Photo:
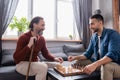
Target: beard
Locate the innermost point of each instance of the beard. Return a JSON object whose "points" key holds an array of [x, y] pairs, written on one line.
{"points": [[40, 32], [94, 30]]}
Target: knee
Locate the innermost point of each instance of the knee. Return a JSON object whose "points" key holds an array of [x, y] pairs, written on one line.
{"points": [[107, 67], [106, 71], [40, 67], [45, 67]]}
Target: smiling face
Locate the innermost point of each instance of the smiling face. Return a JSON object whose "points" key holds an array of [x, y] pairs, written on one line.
{"points": [[95, 25], [39, 27]]}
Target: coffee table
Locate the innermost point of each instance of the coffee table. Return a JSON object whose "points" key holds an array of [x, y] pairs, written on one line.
{"points": [[56, 76]]}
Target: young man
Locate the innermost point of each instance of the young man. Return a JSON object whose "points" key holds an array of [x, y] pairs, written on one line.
{"points": [[23, 50], [103, 50]]}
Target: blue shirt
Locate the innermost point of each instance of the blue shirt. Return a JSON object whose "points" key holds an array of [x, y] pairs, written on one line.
{"points": [[109, 46]]}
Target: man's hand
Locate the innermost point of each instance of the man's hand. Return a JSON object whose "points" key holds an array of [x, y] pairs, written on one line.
{"points": [[71, 58], [79, 57], [58, 59], [90, 68], [31, 42]]}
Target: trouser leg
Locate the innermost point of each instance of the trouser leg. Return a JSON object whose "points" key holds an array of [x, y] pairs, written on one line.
{"points": [[36, 68], [109, 71]]}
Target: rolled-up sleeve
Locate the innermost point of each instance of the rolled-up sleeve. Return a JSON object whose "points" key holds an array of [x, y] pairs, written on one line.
{"points": [[89, 50], [114, 46]]}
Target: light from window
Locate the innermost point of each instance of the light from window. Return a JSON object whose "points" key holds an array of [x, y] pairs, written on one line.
{"points": [[65, 19], [21, 11], [46, 9], [54, 12]]}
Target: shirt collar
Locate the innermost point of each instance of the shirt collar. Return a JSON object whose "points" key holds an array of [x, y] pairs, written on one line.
{"points": [[103, 33]]}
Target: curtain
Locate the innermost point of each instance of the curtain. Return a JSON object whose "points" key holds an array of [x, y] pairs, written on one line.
{"points": [[7, 10], [82, 11]]}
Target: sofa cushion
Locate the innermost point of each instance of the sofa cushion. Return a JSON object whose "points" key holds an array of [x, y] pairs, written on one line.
{"points": [[9, 72], [7, 57], [74, 53], [55, 49], [73, 48], [59, 54]]}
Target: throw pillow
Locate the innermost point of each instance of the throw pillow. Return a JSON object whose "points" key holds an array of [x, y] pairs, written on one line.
{"points": [[7, 57]]}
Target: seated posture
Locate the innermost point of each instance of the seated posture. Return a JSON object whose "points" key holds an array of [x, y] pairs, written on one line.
{"points": [[103, 50], [23, 51]]}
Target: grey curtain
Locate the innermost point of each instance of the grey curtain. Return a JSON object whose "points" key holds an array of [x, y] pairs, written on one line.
{"points": [[7, 10], [82, 11]]}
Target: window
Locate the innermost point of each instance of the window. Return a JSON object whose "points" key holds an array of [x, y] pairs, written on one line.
{"points": [[65, 26], [58, 16], [45, 9], [21, 11]]}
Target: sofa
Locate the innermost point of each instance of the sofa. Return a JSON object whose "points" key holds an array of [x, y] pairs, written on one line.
{"points": [[7, 65]]}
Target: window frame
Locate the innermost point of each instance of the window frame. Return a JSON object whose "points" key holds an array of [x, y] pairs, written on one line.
{"points": [[30, 16]]}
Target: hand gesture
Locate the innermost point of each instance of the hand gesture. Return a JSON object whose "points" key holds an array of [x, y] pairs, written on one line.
{"points": [[89, 68], [71, 58], [31, 42], [58, 59]]}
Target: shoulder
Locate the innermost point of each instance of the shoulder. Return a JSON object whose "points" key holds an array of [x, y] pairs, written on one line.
{"points": [[42, 39], [113, 34], [24, 36], [111, 31]]}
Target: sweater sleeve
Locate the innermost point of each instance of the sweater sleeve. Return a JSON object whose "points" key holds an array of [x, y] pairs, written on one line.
{"points": [[22, 50], [45, 51]]}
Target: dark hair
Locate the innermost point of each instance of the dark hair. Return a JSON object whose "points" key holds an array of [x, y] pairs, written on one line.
{"points": [[98, 17], [98, 11], [34, 20]]}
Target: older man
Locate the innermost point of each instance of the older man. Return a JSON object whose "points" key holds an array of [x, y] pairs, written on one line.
{"points": [[23, 50]]}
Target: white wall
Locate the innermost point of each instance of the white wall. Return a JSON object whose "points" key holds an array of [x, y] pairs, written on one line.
{"points": [[95, 5], [12, 44], [106, 8]]}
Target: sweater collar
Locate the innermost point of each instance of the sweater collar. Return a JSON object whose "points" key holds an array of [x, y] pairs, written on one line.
{"points": [[29, 33]]}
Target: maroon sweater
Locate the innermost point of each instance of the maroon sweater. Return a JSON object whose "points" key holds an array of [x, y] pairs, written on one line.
{"points": [[22, 52]]}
